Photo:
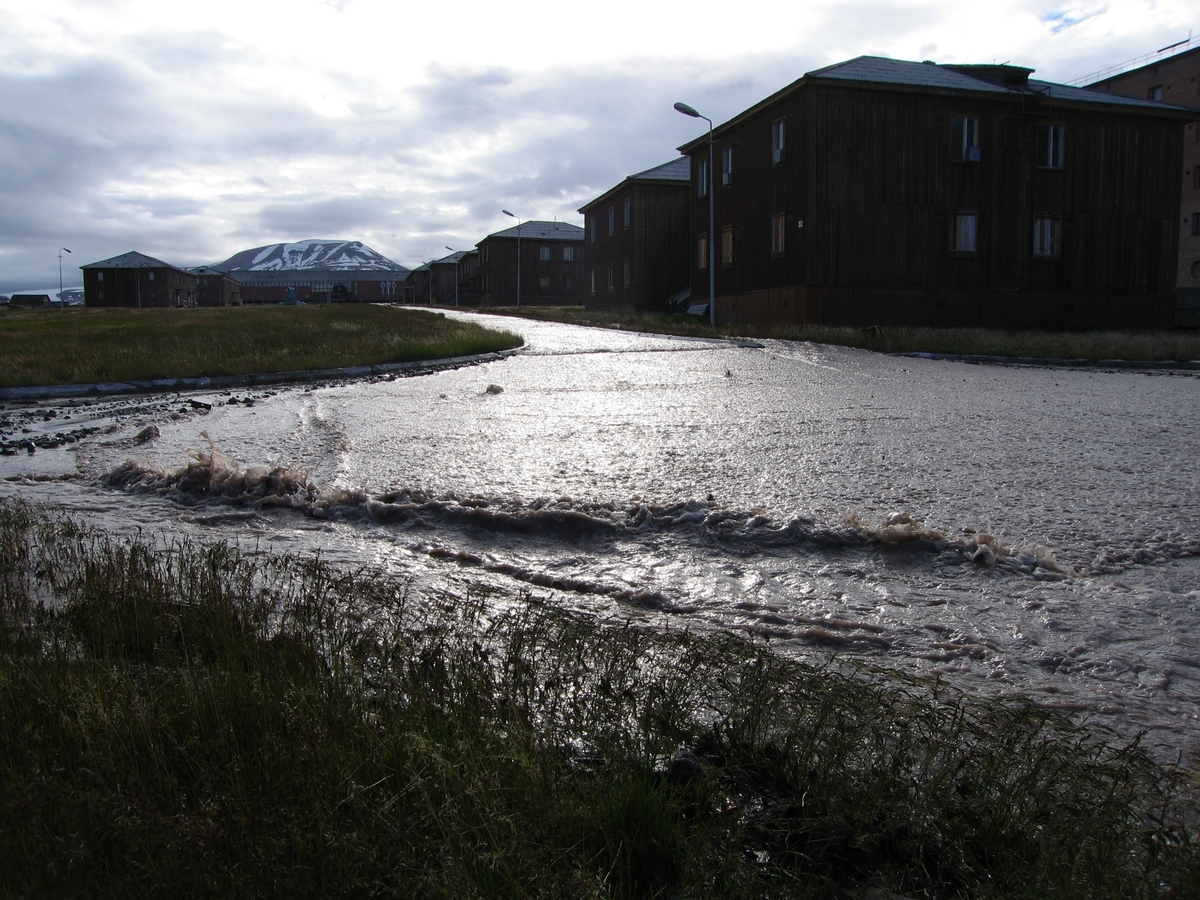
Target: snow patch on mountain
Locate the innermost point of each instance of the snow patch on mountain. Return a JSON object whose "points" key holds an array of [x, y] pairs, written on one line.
{"points": [[342, 256]]}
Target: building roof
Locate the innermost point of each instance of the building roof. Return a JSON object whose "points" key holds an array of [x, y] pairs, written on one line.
{"points": [[133, 260], [541, 231], [928, 76], [677, 171]]}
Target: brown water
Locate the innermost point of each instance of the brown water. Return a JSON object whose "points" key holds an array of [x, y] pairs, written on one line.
{"points": [[1045, 534]]}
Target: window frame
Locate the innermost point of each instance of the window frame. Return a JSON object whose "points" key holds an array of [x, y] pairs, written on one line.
{"points": [[1196, 224], [727, 166], [628, 272], [568, 254], [958, 219], [543, 253], [1047, 245], [779, 141], [612, 221], [778, 234], [628, 212], [702, 177], [726, 246], [702, 251], [1050, 153], [611, 278], [964, 139]]}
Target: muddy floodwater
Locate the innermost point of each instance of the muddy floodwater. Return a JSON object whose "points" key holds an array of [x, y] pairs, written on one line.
{"points": [[1013, 530]]}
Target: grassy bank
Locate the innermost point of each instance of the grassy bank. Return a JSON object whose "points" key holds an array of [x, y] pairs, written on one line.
{"points": [[82, 346], [1175, 345], [191, 721]]}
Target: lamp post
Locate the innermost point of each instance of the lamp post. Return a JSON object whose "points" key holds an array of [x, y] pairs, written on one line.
{"points": [[518, 218], [712, 237], [456, 261], [60, 287]]}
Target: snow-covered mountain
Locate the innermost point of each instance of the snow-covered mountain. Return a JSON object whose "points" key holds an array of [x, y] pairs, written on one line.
{"points": [[340, 256]]}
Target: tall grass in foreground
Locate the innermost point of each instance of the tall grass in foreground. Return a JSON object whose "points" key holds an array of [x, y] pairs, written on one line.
{"points": [[1176, 345], [191, 721], [84, 346]]}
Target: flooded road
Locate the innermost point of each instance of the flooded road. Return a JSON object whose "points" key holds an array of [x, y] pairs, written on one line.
{"points": [[1012, 530]]}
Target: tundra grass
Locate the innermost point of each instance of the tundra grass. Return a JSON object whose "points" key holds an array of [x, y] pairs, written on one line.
{"points": [[183, 721], [1176, 345], [84, 346]]}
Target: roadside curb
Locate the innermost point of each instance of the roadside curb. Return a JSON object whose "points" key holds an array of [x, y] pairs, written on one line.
{"points": [[166, 385], [1056, 362]]}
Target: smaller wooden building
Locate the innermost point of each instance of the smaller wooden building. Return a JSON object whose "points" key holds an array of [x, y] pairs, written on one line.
{"points": [[29, 301], [534, 263], [134, 279], [450, 281], [638, 240], [216, 288]]}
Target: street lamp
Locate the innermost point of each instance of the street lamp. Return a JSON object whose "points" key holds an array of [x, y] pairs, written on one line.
{"points": [[518, 218], [712, 237], [456, 260], [60, 287]]}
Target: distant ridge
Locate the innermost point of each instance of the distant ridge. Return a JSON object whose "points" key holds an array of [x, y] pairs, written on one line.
{"points": [[312, 255]]}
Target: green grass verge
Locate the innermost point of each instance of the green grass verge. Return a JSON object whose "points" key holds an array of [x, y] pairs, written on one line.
{"points": [[1176, 345], [191, 721], [84, 346]]}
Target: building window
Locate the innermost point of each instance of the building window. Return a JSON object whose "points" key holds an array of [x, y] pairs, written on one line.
{"points": [[1155, 93], [702, 178], [544, 253], [628, 211], [702, 252], [727, 245], [592, 230], [1196, 223], [777, 229], [962, 233], [99, 276], [727, 166], [150, 275], [611, 284], [568, 282], [778, 141], [1050, 146], [612, 221], [964, 139], [544, 282], [1047, 237], [593, 281], [628, 272], [1196, 178], [568, 254]]}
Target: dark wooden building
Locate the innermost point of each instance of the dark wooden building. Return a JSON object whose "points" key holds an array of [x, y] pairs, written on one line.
{"points": [[320, 286], [450, 281], [881, 191], [216, 288], [549, 271], [134, 279], [1173, 76], [638, 240]]}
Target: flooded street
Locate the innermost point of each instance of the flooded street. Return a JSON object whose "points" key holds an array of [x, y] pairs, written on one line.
{"points": [[1044, 534]]}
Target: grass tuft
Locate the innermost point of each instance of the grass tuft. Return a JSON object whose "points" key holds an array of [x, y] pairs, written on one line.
{"points": [[188, 720]]}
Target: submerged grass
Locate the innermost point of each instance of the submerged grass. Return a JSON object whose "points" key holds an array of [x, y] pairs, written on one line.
{"points": [[192, 721], [83, 346], [1175, 345]]}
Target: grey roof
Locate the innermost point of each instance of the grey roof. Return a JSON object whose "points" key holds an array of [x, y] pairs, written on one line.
{"points": [[879, 70], [676, 170], [132, 260], [542, 231]]}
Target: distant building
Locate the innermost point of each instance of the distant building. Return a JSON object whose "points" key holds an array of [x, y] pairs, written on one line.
{"points": [[638, 240], [315, 271], [215, 288], [549, 271], [1174, 79], [880, 191], [450, 281], [29, 301], [134, 279]]}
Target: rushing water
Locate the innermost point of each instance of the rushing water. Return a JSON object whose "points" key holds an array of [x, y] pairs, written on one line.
{"points": [[1013, 530]]}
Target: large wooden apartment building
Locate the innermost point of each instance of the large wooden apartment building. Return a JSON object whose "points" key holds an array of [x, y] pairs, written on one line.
{"points": [[533, 263], [881, 191]]}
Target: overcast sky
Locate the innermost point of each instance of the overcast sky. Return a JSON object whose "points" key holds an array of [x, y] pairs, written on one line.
{"points": [[192, 130]]}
